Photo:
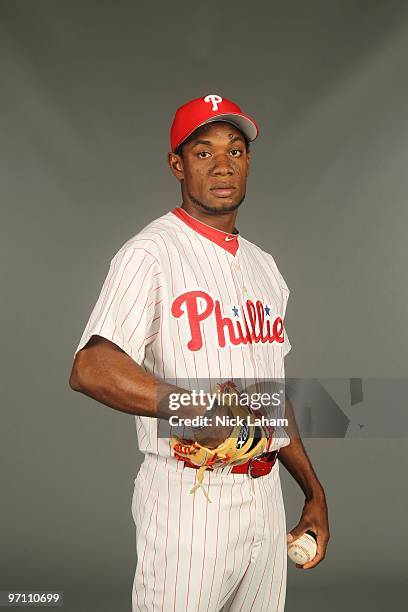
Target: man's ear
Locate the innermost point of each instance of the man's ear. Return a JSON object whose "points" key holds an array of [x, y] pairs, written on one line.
{"points": [[176, 165], [248, 164]]}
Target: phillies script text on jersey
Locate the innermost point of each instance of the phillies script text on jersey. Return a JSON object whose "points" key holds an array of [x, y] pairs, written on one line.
{"points": [[187, 304]]}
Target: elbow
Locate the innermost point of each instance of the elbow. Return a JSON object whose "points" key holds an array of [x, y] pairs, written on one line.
{"points": [[74, 379], [77, 376]]}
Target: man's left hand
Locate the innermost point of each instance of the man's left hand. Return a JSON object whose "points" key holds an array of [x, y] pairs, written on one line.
{"points": [[315, 518]]}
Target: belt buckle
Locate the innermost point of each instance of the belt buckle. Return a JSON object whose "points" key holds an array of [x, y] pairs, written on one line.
{"points": [[251, 461], [257, 458]]}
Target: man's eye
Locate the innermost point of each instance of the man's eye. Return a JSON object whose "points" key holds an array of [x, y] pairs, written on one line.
{"points": [[236, 152], [202, 154]]}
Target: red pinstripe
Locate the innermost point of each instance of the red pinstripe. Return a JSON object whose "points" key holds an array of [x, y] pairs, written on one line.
{"points": [[163, 241], [124, 293], [179, 254], [281, 582], [251, 546], [175, 363], [250, 344], [181, 346], [133, 278], [132, 307], [178, 545], [191, 546], [117, 289], [269, 494], [174, 348], [205, 542], [216, 547], [140, 239], [254, 565], [267, 295], [172, 287], [282, 572], [183, 354], [273, 570], [270, 546], [154, 361], [228, 541], [116, 264], [271, 517], [231, 590], [154, 545], [208, 287], [229, 300], [151, 335], [144, 552], [161, 342], [266, 291], [167, 534]]}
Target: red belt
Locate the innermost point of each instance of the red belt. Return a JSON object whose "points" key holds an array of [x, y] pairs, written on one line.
{"points": [[255, 467]]}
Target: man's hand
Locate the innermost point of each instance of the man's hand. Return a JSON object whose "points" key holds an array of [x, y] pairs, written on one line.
{"points": [[315, 518], [214, 435]]}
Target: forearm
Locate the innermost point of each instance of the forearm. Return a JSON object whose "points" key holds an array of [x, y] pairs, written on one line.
{"points": [[296, 461], [107, 374]]}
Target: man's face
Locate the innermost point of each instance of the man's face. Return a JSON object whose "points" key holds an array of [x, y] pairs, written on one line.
{"points": [[213, 168]]}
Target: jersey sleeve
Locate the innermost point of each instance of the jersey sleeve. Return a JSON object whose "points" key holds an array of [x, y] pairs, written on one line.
{"points": [[126, 311], [286, 344], [285, 296]]}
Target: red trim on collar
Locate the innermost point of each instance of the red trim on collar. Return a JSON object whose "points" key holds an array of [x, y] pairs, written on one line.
{"points": [[227, 241]]}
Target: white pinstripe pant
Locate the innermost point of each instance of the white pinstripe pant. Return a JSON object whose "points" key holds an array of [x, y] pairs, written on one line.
{"points": [[193, 556]]}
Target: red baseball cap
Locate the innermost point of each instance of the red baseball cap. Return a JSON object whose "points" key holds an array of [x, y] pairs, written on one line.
{"points": [[203, 110]]}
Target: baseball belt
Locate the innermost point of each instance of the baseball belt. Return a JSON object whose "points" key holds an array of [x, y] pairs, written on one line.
{"points": [[255, 467]]}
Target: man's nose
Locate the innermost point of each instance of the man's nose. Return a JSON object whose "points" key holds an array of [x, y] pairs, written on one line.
{"points": [[222, 165]]}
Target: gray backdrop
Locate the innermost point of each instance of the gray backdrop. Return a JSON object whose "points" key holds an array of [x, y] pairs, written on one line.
{"points": [[88, 94]]}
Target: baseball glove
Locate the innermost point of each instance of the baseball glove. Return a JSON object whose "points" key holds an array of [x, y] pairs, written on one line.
{"points": [[245, 441]]}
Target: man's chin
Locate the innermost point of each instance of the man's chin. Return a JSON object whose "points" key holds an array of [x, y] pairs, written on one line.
{"points": [[219, 206]]}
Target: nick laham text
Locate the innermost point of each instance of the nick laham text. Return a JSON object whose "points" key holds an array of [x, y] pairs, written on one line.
{"points": [[226, 421]]}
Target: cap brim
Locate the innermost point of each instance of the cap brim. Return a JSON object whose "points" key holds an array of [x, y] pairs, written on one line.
{"points": [[242, 122]]}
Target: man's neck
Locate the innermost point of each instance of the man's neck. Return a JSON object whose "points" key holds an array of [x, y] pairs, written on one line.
{"points": [[224, 221]]}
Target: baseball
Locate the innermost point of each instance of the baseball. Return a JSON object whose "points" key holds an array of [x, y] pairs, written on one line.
{"points": [[303, 549]]}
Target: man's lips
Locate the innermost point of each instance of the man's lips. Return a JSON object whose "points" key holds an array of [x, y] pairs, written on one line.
{"points": [[223, 191]]}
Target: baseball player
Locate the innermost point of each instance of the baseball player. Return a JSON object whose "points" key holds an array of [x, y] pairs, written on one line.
{"points": [[189, 302]]}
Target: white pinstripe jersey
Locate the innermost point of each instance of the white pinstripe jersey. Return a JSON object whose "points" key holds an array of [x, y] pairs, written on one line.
{"points": [[187, 301]]}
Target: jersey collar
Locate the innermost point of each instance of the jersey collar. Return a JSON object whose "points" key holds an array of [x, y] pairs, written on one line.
{"points": [[227, 241]]}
